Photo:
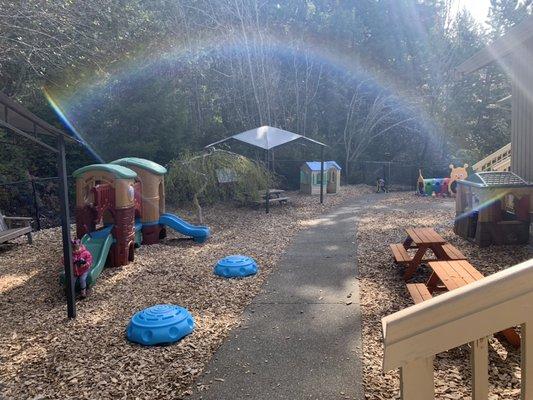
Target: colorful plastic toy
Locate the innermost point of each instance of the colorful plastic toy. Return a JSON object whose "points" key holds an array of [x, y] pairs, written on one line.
{"points": [[236, 266], [198, 233], [457, 174], [441, 186], [160, 324]]}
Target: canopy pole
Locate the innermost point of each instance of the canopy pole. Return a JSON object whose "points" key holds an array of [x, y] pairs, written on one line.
{"points": [[65, 228], [267, 193], [322, 175]]}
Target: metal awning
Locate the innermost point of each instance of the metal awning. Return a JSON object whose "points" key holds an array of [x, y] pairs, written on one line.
{"points": [[21, 122], [266, 137]]}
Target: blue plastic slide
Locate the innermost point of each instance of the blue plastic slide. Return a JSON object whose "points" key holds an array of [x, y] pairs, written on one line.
{"points": [[198, 233]]}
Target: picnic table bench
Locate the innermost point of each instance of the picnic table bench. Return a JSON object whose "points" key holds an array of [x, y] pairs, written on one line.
{"points": [[274, 195], [422, 239], [450, 275]]}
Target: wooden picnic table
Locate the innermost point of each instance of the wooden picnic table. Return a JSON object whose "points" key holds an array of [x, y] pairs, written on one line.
{"points": [[423, 239], [453, 274], [272, 193]]}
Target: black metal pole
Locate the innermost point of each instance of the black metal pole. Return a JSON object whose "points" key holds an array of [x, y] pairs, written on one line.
{"points": [[267, 193], [321, 174], [35, 205], [65, 228]]}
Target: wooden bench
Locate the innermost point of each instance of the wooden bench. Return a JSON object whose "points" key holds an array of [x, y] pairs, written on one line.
{"points": [[419, 292], [14, 227], [273, 199], [401, 256], [451, 252]]}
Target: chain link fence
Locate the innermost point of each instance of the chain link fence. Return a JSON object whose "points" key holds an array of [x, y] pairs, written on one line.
{"points": [[37, 198], [399, 176]]}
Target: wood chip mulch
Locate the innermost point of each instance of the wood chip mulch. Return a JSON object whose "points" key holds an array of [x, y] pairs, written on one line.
{"points": [[383, 292], [45, 356]]}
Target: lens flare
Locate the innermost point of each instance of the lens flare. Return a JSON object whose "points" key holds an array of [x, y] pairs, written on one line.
{"points": [[59, 112], [89, 99]]}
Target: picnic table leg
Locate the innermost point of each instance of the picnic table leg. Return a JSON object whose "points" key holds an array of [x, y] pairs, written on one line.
{"points": [[439, 252], [414, 263], [512, 337], [432, 282]]}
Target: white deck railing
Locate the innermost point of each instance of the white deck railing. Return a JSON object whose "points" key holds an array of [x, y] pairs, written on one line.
{"points": [[495, 161], [412, 337]]}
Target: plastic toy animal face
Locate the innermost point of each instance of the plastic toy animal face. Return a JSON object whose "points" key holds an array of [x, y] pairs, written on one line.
{"points": [[458, 173]]}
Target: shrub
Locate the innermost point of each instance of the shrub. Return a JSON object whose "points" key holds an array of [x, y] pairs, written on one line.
{"points": [[195, 178]]}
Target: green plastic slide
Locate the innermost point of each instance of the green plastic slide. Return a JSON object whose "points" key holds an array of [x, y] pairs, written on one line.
{"points": [[98, 243]]}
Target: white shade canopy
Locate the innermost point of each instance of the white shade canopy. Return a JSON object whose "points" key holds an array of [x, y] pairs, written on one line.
{"points": [[266, 137]]}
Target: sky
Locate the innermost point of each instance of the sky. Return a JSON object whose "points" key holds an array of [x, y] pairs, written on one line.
{"points": [[478, 8]]}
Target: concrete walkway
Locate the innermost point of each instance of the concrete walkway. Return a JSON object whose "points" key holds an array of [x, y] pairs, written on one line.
{"points": [[301, 336]]}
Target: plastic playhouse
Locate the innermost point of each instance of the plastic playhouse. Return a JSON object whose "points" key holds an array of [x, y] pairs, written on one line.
{"points": [[493, 208], [120, 206], [441, 186], [310, 177]]}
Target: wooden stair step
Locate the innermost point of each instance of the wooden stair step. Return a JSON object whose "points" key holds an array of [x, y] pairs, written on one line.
{"points": [[401, 256], [419, 292]]}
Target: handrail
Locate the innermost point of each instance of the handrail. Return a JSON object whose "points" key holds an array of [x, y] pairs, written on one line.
{"points": [[490, 161], [437, 325]]}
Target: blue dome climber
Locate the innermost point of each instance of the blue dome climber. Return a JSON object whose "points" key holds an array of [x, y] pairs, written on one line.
{"points": [[236, 266], [160, 324]]}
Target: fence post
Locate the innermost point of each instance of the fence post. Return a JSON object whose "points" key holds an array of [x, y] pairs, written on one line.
{"points": [[35, 204]]}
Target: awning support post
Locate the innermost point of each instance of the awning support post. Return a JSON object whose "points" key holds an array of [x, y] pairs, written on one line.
{"points": [[267, 193], [321, 174], [65, 228]]}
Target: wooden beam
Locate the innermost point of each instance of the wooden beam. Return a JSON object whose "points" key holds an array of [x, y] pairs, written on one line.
{"points": [[479, 361], [501, 47], [416, 380], [527, 360]]}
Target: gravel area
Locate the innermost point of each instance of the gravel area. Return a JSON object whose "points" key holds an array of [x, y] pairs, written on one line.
{"points": [[45, 356], [383, 292]]}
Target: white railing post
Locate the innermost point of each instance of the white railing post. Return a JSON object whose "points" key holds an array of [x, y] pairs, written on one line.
{"points": [[526, 346], [416, 380], [479, 360]]}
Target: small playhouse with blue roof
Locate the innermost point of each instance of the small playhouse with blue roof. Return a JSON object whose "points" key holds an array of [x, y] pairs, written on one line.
{"points": [[310, 177]]}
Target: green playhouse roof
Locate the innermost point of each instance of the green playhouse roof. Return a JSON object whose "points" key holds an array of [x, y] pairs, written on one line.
{"points": [[148, 165], [118, 171]]}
